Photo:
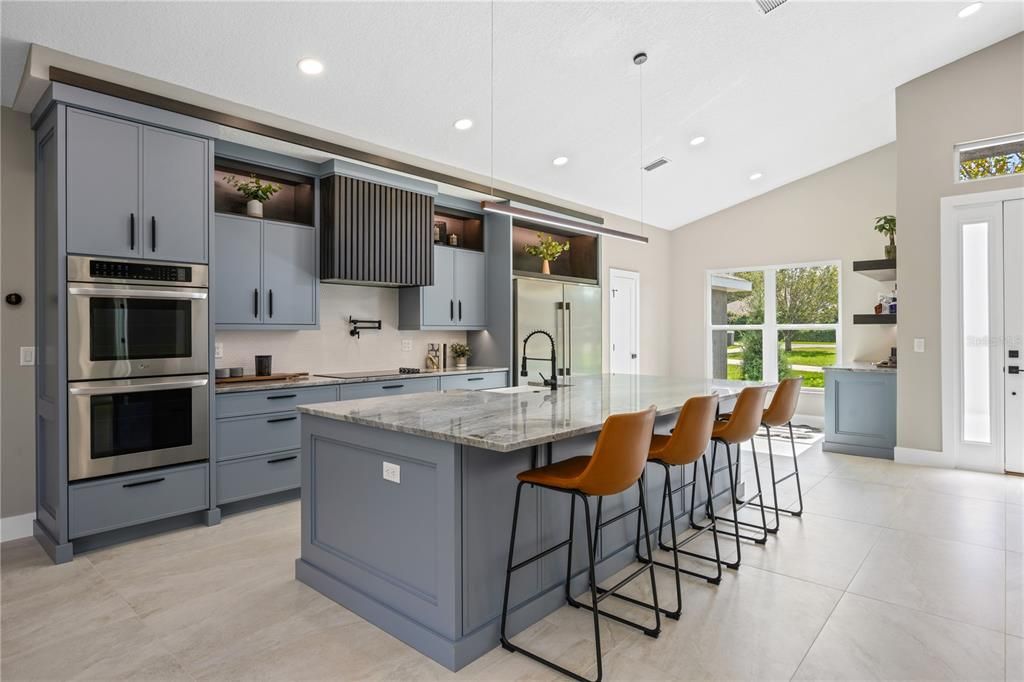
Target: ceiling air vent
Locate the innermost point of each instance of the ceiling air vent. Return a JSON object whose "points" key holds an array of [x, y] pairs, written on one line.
{"points": [[657, 163], [768, 5]]}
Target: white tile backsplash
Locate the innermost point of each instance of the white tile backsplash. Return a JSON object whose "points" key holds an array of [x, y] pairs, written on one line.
{"points": [[331, 348]]}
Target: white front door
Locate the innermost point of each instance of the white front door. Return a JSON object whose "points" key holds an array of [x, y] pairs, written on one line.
{"points": [[1013, 333], [624, 321]]}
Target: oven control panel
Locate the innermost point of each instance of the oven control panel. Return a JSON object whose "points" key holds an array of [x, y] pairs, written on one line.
{"points": [[152, 272]]}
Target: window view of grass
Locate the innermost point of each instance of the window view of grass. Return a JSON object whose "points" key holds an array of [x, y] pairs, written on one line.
{"points": [[812, 352]]}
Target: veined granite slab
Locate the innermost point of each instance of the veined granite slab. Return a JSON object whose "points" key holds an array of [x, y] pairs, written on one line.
{"points": [[505, 422], [347, 378], [861, 367]]}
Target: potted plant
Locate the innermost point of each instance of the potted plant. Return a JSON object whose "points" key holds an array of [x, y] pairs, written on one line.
{"points": [[547, 250], [886, 226], [254, 191], [461, 353]]}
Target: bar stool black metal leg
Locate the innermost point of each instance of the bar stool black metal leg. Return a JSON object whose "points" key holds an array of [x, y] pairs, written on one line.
{"points": [[508, 571], [796, 474], [735, 510], [760, 497], [775, 482], [568, 561], [709, 481], [650, 565], [591, 558]]}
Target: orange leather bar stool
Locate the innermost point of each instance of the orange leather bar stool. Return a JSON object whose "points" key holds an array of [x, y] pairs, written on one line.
{"points": [[780, 413], [686, 445], [616, 464], [740, 426]]}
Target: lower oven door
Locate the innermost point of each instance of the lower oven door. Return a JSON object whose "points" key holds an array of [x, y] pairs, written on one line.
{"points": [[131, 424]]}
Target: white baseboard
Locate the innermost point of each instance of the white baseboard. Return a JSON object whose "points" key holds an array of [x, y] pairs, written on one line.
{"points": [[15, 527], [924, 458]]}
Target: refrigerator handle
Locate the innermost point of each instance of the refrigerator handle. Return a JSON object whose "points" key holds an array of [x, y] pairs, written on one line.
{"points": [[568, 334], [560, 336]]}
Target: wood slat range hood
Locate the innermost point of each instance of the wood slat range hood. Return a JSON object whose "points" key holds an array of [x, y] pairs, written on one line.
{"points": [[376, 229]]}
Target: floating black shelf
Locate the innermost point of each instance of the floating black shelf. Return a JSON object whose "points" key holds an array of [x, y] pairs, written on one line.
{"points": [[871, 318], [883, 270]]}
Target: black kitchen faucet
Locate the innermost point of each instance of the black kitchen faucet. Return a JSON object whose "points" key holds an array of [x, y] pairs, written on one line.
{"points": [[553, 381]]}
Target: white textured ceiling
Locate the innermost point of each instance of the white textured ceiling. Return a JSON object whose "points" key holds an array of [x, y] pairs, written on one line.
{"points": [[786, 94]]}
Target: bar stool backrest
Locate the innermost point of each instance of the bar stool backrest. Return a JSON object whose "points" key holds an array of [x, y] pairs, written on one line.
{"points": [[746, 417], [620, 453], [692, 433], [783, 406]]}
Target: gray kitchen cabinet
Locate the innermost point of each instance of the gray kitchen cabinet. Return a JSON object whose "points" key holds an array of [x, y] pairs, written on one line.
{"points": [[860, 412], [289, 273], [104, 185], [376, 389], [136, 191], [265, 274], [175, 196], [456, 300]]}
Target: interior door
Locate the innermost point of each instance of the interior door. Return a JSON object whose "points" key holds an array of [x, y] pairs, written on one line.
{"points": [[582, 330], [537, 307], [1013, 333], [622, 325]]}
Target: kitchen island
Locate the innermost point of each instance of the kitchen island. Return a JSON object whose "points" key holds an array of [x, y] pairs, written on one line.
{"points": [[407, 503]]}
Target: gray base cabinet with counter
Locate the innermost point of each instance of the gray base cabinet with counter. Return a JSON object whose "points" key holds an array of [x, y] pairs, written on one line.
{"points": [[860, 412]]}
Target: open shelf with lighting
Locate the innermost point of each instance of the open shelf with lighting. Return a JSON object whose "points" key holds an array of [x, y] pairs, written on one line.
{"points": [[467, 227], [294, 203], [581, 263]]}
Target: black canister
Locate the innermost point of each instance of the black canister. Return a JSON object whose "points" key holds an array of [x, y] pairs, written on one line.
{"points": [[263, 364]]}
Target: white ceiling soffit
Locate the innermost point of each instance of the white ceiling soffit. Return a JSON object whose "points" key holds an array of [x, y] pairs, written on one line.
{"points": [[786, 94]]}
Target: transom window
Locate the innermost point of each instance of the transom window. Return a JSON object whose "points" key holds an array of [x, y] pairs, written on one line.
{"points": [[990, 158], [774, 322]]}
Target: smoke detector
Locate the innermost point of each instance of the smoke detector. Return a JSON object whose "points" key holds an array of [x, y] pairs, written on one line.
{"points": [[657, 163], [767, 6]]}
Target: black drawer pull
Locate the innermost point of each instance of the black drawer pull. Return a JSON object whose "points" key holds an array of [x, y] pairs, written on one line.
{"points": [[282, 459], [280, 397], [475, 379], [282, 419], [138, 483], [393, 386]]}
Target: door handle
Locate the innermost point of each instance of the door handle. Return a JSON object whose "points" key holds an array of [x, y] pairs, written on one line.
{"points": [[131, 232], [152, 245], [282, 419], [282, 459], [451, 309], [632, 356], [256, 303], [460, 310], [568, 335], [136, 484], [1013, 369], [270, 302]]}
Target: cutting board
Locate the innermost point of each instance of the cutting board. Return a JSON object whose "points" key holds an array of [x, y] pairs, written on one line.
{"points": [[270, 377]]}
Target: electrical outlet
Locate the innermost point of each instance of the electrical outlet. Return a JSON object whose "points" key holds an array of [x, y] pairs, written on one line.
{"points": [[919, 345], [406, 345], [392, 472], [28, 356], [218, 351]]}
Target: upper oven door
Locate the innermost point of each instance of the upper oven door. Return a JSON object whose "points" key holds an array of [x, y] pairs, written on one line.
{"points": [[117, 330]]}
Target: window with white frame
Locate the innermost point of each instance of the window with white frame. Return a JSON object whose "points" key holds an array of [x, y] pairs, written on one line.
{"points": [[770, 323], [990, 158]]}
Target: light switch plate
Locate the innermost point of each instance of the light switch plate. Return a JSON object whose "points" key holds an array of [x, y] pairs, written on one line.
{"points": [[218, 351], [406, 345], [392, 472], [918, 345], [27, 356]]}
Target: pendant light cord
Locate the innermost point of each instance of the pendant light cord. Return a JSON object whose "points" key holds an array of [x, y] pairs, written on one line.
{"points": [[492, 98], [641, 149]]}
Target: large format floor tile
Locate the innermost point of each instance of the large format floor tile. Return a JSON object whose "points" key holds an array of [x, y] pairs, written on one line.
{"points": [[1014, 658], [965, 519], [852, 500], [871, 470], [1015, 594], [866, 639], [962, 483], [951, 579], [1014, 528]]}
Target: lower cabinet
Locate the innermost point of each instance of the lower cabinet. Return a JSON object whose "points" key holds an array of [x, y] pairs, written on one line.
{"points": [[860, 412], [262, 475]]}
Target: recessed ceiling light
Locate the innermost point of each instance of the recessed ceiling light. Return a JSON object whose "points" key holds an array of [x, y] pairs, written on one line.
{"points": [[697, 140], [969, 10], [310, 66], [463, 124], [755, 176], [560, 160]]}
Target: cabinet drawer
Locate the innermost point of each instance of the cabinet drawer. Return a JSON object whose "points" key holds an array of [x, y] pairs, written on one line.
{"points": [[243, 478], [474, 382], [257, 435], [97, 506], [375, 389], [264, 402]]}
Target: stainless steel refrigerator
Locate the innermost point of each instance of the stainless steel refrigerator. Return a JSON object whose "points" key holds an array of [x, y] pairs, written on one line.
{"points": [[571, 314]]}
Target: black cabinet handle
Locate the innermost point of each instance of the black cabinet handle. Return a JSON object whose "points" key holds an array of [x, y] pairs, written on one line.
{"points": [[136, 484], [451, 309], [280, 397], [282, 459], [282, 419], [131, 232], [393, 386], [460, 309], [152, 231], [270, 302], [256, 303], [475, 379]]}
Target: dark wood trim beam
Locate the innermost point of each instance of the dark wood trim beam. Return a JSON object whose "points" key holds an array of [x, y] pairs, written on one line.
{"points": [[59, 75]]}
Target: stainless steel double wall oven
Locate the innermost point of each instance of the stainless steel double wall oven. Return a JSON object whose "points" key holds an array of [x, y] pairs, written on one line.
{"points": [[138, 365]]}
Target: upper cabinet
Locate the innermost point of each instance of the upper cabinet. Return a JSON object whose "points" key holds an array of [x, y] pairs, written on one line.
{"points": [[374, 233], [136, 191], [456, 300]]}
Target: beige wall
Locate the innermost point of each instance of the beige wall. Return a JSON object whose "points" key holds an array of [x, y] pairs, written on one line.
{"points": [[979, 96], [827, 216], [17, 384], [331, 348]]}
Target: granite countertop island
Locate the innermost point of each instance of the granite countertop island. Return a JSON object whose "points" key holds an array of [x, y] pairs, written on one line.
{"points": [[357, 377], [407, 503]]}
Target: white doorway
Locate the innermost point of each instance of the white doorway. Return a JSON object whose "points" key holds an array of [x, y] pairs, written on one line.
{"points": [[983, 330], [624, 321]]}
